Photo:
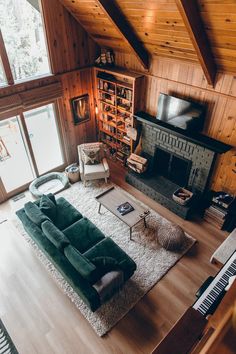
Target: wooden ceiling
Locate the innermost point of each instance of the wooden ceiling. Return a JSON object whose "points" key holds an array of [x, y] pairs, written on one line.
{"points": [[160, 28]]}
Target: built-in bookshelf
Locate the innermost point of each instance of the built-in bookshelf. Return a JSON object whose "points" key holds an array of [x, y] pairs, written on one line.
{"points": [[118, 97]]}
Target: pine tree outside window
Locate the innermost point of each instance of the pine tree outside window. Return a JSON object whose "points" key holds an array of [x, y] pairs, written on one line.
{"points": [[23, 35]]}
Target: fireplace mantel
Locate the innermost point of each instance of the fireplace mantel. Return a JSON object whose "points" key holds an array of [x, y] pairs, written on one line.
{"points": [[200, 139]]}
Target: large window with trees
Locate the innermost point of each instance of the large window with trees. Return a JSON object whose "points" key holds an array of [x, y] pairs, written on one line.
{"points": [[23, 39]]}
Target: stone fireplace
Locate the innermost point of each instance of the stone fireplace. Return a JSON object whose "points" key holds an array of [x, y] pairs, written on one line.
{"points": [[175, 160]]}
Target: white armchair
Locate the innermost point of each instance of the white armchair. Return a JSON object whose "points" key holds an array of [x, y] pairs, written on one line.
{"points": [[93, 170]]}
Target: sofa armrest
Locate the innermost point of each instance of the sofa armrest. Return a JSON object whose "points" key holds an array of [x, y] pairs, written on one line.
{"points": [[83, 266], [105, 164]]}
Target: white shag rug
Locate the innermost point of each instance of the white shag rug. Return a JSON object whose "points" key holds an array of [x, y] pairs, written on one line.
{"points": [[153, 262]]}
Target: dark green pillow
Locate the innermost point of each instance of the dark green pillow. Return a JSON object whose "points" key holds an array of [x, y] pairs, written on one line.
{"points": [[58, 239], [81, 264], [48, 207], [35, 214], [52, 198]]}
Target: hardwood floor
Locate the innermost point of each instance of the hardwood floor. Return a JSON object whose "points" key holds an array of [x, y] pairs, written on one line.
{"points": [[41, 319]]}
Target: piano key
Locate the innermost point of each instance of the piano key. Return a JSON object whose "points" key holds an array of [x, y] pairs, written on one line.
{"points": [[216, 289]]}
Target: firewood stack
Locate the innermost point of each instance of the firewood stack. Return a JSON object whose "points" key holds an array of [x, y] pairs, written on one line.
{"points": [[137, 163]]}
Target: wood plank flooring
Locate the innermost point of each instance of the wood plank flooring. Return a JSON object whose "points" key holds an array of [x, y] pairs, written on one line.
{"points": [[41, 319]]}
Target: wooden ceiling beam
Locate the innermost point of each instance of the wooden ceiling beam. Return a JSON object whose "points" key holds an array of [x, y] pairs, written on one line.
{"points": [[124, 28], [195, 27]]}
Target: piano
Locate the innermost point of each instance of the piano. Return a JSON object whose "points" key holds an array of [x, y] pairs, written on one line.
{"points": [[208, 301], [202, 320]]}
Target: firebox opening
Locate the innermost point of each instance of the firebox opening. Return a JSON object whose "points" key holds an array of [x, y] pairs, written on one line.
{"points": [[171, 166]]}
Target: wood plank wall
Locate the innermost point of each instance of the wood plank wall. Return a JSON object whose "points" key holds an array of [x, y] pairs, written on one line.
{"points": [[69, 45], [76, 84], [187, 80]]}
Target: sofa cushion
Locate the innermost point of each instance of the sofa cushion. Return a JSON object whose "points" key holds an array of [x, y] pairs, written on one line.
{"points": [[83, 234], [48, 207], [66, 214], [85, 268], [54, 235], [35, 214]]}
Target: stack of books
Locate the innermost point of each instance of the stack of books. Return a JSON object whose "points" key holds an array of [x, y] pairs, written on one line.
{"points": [[221, 212], [137, 163], [215, 216]]}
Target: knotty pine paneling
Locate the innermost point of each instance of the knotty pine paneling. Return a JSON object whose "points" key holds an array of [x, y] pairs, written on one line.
{"points": [[69, 45], [187, 81], [76, 84]]}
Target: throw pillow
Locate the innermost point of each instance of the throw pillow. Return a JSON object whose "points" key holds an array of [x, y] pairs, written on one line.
{"points": [[48, 207], [91, 156], [82, 264], [53, 234], [34, 213]]}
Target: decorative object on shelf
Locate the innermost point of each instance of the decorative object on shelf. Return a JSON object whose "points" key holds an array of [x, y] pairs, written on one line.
{"points": [[171, 236], [131, 132], [106, 58], [80, 109], [182, 196]]}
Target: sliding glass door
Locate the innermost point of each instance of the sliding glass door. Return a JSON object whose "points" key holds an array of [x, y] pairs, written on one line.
{"points": [[30, 146], [16, 168], [43, 133]]}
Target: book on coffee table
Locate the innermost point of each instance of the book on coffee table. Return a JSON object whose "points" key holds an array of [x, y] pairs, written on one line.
{"points": [[125, 208]]}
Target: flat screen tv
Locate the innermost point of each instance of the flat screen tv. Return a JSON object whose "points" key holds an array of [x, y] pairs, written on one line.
{"points": [[180, 113]]}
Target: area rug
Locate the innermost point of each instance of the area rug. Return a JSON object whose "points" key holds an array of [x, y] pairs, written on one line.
{"points": [[153, 262]]}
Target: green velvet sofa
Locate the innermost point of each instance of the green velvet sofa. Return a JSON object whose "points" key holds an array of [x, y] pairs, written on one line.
{"points": [[94, 265]]}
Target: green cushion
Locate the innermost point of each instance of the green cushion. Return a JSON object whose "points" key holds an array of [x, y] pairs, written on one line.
{"points": [[83, 234], [86, 269], [66, 214], [47, 206], [34, 213], [54, 235]]}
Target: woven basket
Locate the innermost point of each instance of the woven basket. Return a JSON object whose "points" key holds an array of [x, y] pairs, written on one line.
{"points": [[178, 199]]}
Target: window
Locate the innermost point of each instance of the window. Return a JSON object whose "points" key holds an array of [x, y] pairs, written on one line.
{"points": [[23, 36]]}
